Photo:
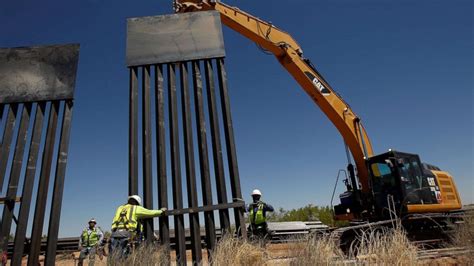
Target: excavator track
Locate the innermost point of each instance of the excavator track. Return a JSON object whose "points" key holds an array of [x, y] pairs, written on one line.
{"points": [[427, 231]]}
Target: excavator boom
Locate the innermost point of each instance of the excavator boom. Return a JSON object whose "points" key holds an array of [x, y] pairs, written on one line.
{"points": [[290, 55], [391, 182]]}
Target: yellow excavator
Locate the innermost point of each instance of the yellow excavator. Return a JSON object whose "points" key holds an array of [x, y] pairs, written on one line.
{"points": [[379, 187]]}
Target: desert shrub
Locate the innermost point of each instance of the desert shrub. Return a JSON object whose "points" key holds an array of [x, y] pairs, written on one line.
{"points": [[316, 250], [307, 213], [233, 251], [463, 235], [384, 247], [146, 255]]}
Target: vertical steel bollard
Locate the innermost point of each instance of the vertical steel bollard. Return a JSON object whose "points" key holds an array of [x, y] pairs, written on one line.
{"points": [[161, 152], [146, 151], [230, 144], [216, 147], [133, 133], [179, 233], [195, 229], [203, 157]]}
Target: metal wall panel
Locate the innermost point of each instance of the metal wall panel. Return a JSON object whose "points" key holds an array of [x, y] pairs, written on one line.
{"points": [[174, 38], [181, 45], [43, 73], [35, 82]]}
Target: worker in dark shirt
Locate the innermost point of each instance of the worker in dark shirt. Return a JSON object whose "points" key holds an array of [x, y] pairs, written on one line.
{"points": [[258, 227]]}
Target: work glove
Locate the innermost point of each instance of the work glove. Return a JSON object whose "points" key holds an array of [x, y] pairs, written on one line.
{"points": [[164, 210]]}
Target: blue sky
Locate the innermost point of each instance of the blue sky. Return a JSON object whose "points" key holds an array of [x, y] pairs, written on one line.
{"points": [[405, 67]]}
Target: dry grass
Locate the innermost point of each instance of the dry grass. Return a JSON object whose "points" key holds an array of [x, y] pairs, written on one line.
{"points": [[373, 247], [316, 250], [233, 251], [384, 247], [147, 255], [464, 235]]}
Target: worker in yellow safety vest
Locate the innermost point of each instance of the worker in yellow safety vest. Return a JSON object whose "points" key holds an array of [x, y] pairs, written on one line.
{"points": [[257, 210], [90, 239], [126, 226]]}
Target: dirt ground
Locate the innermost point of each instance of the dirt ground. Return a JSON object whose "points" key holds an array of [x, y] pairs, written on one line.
{"points": [[276, 251], [277, 254]]}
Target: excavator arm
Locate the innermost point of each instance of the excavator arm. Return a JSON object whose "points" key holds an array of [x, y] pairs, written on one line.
{"points": [[290, 55]]}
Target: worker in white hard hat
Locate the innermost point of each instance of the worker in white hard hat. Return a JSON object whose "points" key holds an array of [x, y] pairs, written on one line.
{"points": [[257, 216], [126, 225], [89, 241]]}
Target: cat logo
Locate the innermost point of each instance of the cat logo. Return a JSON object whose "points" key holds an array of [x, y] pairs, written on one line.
{"points": [[324, 91]]}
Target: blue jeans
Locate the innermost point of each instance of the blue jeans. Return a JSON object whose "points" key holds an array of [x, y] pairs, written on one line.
{"points": [[119, 248]]}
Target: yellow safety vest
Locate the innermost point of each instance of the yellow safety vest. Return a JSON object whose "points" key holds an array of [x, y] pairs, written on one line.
{"points": [[257, 218], [90, 239], [125, 218]]}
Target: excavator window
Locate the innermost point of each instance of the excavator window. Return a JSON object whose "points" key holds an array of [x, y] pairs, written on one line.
{"points": [[411, 178], [384, 180], [384, 183]]}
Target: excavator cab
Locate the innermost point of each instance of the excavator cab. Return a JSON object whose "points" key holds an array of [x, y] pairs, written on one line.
{"points": [[400, 184], [399, 179]]}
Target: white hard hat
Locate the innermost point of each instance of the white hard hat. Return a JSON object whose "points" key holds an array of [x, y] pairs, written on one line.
{"points": [[92, 220], [256, 192], [136, 198]]}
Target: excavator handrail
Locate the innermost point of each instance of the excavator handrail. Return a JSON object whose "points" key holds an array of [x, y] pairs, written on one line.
{"points": [[290, 55]]}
